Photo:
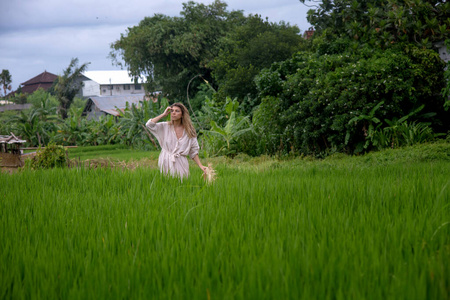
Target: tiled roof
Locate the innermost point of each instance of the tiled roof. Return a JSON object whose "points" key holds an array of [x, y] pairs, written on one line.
{"points": [[29, 89], [45, 77]]}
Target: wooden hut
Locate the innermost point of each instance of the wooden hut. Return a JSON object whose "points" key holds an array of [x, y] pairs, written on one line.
{"points": [[10, 153]]}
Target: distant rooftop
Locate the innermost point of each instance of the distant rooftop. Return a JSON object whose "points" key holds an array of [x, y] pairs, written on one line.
{"points": [[110, 104], [44, 77], [111, 77], [44, 81]]}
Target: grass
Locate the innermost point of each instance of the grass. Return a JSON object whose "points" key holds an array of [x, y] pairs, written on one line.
{"points": [[370, 227], [115, 152]]}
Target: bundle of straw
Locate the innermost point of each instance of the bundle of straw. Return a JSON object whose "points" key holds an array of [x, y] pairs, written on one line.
{"points": [[210, 174]]}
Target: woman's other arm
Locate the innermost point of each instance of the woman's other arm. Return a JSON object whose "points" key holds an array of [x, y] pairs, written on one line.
{"points": [[199, 163]]}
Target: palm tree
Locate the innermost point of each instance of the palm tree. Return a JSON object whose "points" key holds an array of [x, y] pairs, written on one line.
{"points": [[5, 80], [68, 85]]}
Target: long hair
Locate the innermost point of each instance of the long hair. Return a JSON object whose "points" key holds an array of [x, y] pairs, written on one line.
{"points": [[185, 120]]}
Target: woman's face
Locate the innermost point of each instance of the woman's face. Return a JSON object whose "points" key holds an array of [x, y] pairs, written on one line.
{"points": [[175, 113]]}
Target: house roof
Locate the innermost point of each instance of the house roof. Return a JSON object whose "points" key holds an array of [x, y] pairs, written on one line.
{"points": [[111, 77], [109, 104], [10, 139], [44, 80], [29, 89], [44, 77]]}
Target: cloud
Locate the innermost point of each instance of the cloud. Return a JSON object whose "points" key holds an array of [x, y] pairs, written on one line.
{"points": [[38, 35], [23, 14]]}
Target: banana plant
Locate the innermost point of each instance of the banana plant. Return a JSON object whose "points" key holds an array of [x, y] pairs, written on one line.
{"points": [[233, 129], [133, 119], [368, 125], [36, 124]]}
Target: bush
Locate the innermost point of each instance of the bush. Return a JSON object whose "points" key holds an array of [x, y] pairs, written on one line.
{"points": [[41, 98], [404, 134], [308, 101], [49, 157]]}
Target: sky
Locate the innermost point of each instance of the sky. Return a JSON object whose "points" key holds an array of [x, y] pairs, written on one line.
{"points": [[44, 35]]}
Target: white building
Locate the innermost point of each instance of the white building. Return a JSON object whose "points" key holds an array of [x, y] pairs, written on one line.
{"points": [[110, 83]]}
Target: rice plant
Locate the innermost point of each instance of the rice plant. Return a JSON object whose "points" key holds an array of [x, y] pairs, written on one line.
{"points": [[283, 230]]}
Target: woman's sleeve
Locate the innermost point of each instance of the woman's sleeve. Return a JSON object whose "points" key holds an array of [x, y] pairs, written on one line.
{"points": [[194, 148], [157, 129]]}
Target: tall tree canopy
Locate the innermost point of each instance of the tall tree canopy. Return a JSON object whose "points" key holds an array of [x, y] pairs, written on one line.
{"points": [[372, 66], [248, 49], [383, 22], [172, 50]]}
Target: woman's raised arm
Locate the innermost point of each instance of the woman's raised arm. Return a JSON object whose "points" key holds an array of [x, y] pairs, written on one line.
{"points": [[163, 115]]}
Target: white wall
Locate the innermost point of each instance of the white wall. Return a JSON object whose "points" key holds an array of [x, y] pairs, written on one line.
{"points": [[90, 88], [118, 89]]}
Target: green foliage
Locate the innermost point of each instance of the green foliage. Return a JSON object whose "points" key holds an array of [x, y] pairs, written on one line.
{"points": [[133, 119], [204, 91], [6, 125], [41, 98], [402, 134], [77, 130], [19, 97], [5, 81], [40, 125], [49, 157], [233, 129], [73, 130], [368, 227], [308, 101], [369, 120], [225, 131], [172, 50], [213, 110], [36, 125], [114, 152], [68, 85], [385, 23], [254, 45], [78, 103]]}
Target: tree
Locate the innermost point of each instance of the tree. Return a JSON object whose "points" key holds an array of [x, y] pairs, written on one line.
{"points": [[309, 100], [248, 49], [172, 50], [68, 85], [5, 81], [383, 23]]}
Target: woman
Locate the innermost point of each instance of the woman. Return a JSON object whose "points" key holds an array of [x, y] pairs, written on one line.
{"points": [[177, 139]]}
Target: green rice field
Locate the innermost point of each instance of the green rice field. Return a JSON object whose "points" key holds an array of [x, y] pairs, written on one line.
{"points": [[371, 227]]}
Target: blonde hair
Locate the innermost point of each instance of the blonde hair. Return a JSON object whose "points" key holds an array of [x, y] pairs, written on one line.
{"points": [[185, 120]]}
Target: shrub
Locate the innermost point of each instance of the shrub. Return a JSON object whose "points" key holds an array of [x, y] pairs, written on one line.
{"points": [[49, 157], [404, 134], [308, 101]]}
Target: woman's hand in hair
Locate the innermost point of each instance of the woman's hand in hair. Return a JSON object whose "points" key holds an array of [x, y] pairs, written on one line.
{"points": [[167, 111]]}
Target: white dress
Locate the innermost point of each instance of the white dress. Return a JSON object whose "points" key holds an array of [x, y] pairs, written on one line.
{"points": [[174, 151]]}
